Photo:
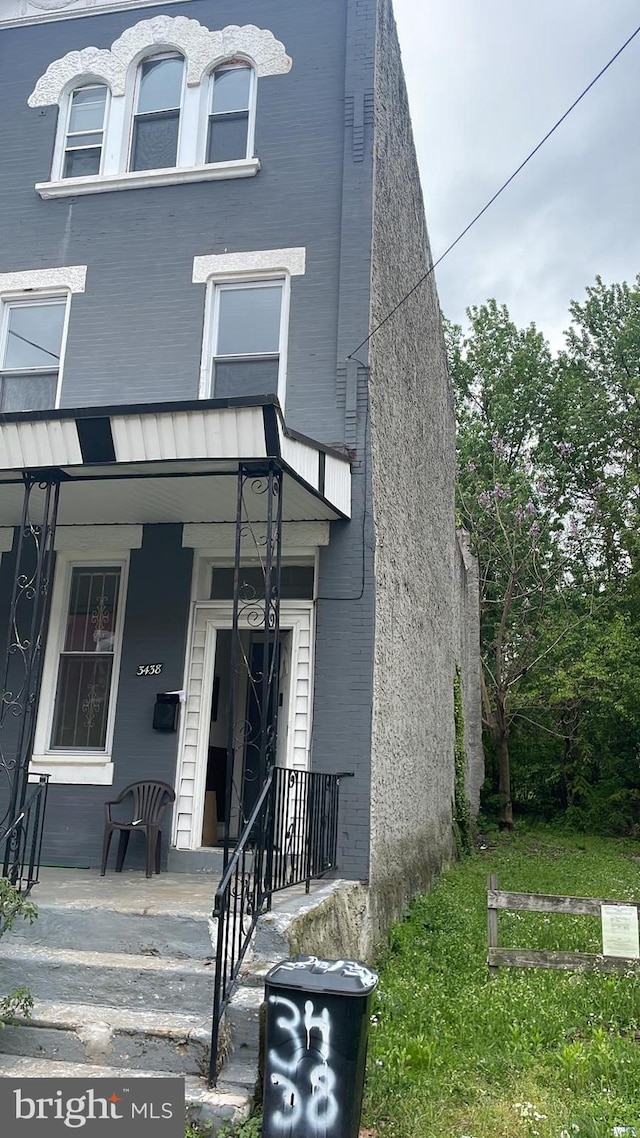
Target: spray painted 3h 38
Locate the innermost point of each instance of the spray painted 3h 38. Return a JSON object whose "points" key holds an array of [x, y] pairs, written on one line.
{"points": [[316, 1047]]}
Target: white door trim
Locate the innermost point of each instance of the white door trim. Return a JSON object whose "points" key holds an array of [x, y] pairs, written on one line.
{"points": [[207, 618]]}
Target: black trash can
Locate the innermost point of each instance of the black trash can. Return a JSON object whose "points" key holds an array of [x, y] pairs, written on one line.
{"points": [[317, 1030]]}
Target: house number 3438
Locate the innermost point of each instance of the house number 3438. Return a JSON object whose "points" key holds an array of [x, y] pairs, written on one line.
{"points": [[149, 669]]}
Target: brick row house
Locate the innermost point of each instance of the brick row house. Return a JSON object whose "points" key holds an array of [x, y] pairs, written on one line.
{"points": [[207, 206]]}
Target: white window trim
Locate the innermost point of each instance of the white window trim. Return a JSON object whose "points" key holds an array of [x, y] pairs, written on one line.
{"points": [[71, 278], [211, 324], [143, 179], [247, 268], [88, 767], [204, 51], [26, 298], [146, 58], [62, 133], [205, 113]]}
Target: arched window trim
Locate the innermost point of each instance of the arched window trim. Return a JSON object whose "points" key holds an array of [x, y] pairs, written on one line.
{"points": [[204, 53]]}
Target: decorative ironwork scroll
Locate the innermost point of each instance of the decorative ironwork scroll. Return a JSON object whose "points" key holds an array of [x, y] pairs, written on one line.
{"points": [[22, 671]]}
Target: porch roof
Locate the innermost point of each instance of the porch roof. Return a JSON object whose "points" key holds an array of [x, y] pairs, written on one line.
{"points": [[168, 462]]}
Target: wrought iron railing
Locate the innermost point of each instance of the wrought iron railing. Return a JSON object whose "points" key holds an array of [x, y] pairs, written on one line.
{"points": [[289, 839], [21, 842]]}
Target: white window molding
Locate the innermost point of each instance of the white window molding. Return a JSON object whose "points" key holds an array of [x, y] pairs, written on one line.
{"points": [[73, 141], [212, 324], [202, 48], [208, 115], [220, 537], [88, 767], [142, 179], [257, 267], [253, 263], [96, 539], [10, 304], [204, 53], [72, 278]]}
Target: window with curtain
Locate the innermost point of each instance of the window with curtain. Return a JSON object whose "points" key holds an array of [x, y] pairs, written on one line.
{"points": [[156, 122]]}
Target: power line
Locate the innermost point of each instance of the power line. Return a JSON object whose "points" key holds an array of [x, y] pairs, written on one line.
{"points": [[503, 187]]}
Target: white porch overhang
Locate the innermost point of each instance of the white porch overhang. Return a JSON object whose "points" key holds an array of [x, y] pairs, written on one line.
{"points": [[159, 463]]}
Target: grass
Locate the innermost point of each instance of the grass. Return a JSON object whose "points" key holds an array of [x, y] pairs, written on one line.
{"points": [[533, 1053]]}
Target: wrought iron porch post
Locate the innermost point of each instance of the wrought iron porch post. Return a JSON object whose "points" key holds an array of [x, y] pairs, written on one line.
{"points": [[23, 655], [259, 611]]}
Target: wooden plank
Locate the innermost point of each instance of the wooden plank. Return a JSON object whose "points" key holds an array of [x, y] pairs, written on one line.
{"points": [[547, 903], [492, 922], [574, 961]]}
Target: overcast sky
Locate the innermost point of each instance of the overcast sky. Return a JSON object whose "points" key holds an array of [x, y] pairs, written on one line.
{"points": [[487, 79]]}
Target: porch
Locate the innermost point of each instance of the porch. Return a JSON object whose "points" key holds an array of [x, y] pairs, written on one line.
{"points": [[148, 551], [137, 996]]}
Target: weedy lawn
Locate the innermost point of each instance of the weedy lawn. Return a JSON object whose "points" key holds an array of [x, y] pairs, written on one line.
{"points": [[532, 1053]]}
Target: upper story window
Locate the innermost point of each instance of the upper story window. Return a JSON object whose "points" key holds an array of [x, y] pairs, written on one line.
{"points": [[156, 123], [180, 115], [249, 331], [84, 136], [230, 127], [31, 352]]}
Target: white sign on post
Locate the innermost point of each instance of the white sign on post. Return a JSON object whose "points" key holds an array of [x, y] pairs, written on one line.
{"points": [[620, 930]]}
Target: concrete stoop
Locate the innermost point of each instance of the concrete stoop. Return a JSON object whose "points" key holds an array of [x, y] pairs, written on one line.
{"points": [[123, 986], [121, 972]]}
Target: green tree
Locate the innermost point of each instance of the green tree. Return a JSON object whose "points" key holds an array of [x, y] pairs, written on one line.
{"points": [[503, 382]]}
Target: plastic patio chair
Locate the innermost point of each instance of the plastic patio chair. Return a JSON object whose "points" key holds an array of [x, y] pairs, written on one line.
{"points": [[150, 800]]}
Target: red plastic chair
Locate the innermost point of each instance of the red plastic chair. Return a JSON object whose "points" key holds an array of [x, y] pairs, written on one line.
{"points": [[150, 800]]}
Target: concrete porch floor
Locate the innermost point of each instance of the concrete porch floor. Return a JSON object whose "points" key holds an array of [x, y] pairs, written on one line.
{"points": [[186, 894]]}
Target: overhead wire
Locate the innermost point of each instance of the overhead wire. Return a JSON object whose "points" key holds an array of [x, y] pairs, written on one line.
{"points": [[497, 194]]}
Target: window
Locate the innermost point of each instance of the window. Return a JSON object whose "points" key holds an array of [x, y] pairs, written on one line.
{"points": [[248, 333], [30, 353], [170, 101], [85, 132], [86, 664], [156, 121], [228, 134], [296, 583]]}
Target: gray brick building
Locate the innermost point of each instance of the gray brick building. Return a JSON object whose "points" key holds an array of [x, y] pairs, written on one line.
{"points": [[206, 206]]}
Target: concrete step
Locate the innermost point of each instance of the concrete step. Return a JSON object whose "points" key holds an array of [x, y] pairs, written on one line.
{"points": [[207, 859], [242, 1019], [108, 978], [148, 931], [114, 1037], [229, 1103]]}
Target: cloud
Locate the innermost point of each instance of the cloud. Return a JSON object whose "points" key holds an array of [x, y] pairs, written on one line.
{"points": [[486, 81]]}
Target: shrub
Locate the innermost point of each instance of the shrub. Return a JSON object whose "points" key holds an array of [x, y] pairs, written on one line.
{"points": [[14, 907]]}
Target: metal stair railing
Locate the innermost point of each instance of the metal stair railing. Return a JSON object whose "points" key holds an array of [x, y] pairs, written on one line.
{"points": [[289, 839], [21, 841]]}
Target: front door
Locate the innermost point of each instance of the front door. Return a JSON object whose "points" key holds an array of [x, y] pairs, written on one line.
{"points": [[201, 785]]}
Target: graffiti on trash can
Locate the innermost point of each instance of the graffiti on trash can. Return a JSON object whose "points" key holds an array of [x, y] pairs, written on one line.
{"points": [[302, 1079], [346, 967]]}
